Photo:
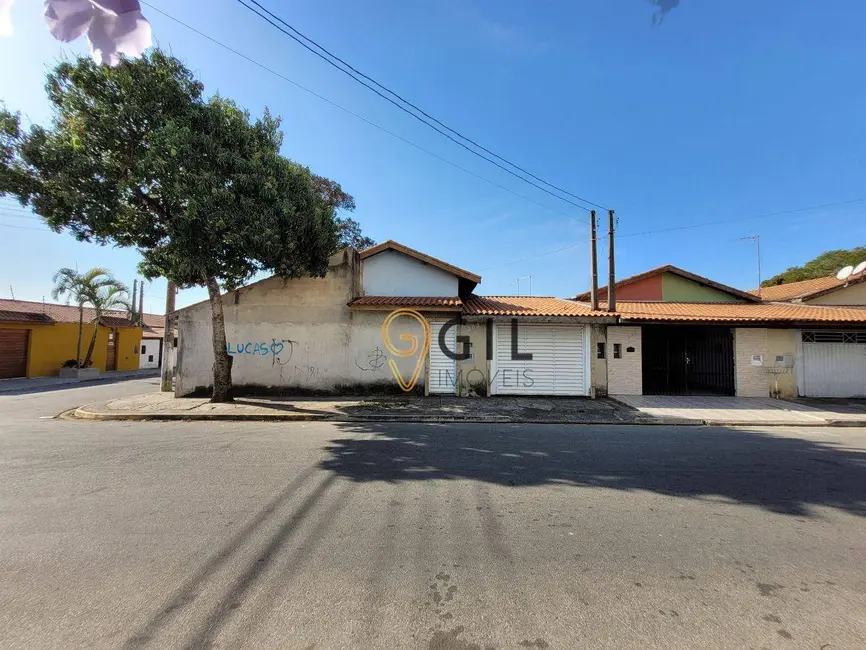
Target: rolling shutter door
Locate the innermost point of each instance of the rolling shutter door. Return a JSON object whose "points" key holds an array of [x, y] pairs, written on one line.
{"points": [[443, 370], [834, 364], [13, 353], [558, 364]]}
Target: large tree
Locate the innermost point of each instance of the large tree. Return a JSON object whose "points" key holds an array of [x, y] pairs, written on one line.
{"points": [[138, 157], [825, 264]]}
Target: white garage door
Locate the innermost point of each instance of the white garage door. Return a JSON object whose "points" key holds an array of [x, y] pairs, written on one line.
{"points": [[834, 364], [558, 366], [443, 369]]}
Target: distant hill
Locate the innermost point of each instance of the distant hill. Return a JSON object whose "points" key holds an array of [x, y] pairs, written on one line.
{"points": [[825, 264]]}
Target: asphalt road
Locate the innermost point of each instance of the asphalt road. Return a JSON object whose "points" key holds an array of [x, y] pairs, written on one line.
{"points": [[329, 535]]}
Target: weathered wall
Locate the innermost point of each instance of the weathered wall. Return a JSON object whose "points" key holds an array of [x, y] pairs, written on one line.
{"points": [[625, 375], [150, 348], [390, 273], [598, 367], [750, 381], [679, 289], [296, 335], [854, 294], [781, 342], [52, 345]]}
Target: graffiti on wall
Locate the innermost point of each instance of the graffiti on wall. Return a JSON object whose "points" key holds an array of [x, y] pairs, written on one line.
{"points": [[280, 351], [375, 361]]}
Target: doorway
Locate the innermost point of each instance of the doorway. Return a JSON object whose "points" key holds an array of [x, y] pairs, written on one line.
{"points": [[688, 360]]}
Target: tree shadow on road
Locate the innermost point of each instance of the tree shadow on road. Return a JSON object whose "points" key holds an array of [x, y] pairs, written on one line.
{"points": [[781, 474]]}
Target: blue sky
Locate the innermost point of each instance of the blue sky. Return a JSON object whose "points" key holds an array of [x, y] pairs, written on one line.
{"points": [[724, 111]]}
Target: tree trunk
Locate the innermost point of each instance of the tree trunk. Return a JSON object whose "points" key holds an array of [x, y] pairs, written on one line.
{"points": [[80, 332], [92, 342], [222, 361]]}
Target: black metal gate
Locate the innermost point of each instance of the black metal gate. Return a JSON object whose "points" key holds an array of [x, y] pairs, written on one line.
{"points": [[687, 360]]}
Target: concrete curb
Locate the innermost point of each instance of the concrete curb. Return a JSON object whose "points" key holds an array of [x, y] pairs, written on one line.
{"points": [[83, 413]]}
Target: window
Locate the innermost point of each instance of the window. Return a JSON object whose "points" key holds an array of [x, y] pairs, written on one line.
{"points": [[834, 337], [599, 352], [144, 349], [617, 350], [150, 358]]}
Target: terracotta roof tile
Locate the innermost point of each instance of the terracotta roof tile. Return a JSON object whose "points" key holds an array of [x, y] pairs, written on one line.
{"points": [[793, 290], [384, 302], [61, 313], [739, 312], [527, 306], [7, 316]]}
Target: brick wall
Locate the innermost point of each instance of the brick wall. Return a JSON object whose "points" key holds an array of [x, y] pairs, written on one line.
{"points": [[750, 381], [624, 375]]}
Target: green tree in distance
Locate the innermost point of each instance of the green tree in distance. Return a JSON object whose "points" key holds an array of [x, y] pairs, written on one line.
{"points": [[825, 264], [138, 157]]}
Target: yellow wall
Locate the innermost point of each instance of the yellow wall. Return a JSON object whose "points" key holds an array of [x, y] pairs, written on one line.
{"points": [[52, 345], [781, 342], [854, 294]]}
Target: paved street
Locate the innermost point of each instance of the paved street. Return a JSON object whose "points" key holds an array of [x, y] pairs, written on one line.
{"points": [[440, 536]]}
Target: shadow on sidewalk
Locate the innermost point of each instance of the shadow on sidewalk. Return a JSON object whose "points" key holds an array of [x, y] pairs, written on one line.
{"points": [[781, 474]]}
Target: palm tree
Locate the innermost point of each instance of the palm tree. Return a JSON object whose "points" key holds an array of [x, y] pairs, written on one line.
{"points": [[81, 288], [105, 294]]}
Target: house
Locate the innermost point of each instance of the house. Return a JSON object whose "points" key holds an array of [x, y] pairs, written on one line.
{"points": [[36, 338], [152, 334], [690, 335], [818, 291], [673, 332]]}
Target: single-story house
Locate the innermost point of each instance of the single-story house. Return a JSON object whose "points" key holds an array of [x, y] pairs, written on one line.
{"points": [[152, 336], [829, 290], [36, 339], [672, 332]]}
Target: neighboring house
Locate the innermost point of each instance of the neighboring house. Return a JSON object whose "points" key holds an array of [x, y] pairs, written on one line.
{"points": [[695, 340], [818, 291], [37, 338], [153, 329], [673, 332]]}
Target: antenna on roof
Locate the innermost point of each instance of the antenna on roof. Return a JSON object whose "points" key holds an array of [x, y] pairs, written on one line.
{"points": [[844, 273], [517, 282], [12, 291], [859, 268]]}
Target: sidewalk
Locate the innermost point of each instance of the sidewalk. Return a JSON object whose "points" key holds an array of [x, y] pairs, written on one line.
{"points": [[164, 406], [739, 411], [33, 384]]}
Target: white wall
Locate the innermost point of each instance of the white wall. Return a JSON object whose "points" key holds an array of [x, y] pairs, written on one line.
{"points": [[624, 375], [150, 348], [854, 294], [390, 273]]}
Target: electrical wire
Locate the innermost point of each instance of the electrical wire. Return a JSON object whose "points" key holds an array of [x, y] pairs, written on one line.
{"points": [[413, 106], [408, 112], [357, 116]]}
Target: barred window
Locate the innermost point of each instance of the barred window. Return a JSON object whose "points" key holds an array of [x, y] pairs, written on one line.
{"points": [[819, 336]]}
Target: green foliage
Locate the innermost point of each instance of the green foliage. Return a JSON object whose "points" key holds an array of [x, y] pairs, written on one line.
{"points": [[96, 287], [825, 264], [136, 156], [350, 235]]}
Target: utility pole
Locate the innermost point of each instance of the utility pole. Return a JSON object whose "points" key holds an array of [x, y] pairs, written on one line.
{"points": [[593, 262], [141, 303], [757, 240], [611, 270], [134, 299], [166, 386]]}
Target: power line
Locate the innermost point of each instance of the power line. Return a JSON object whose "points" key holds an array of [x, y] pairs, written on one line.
{"points": [[410, 104], [357, 116], [408, 112], [603, 239], [9, 225]]}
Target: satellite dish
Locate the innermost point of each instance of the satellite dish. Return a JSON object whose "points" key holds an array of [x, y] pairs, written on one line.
{"points": [[844, 273], [859, 268]]}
